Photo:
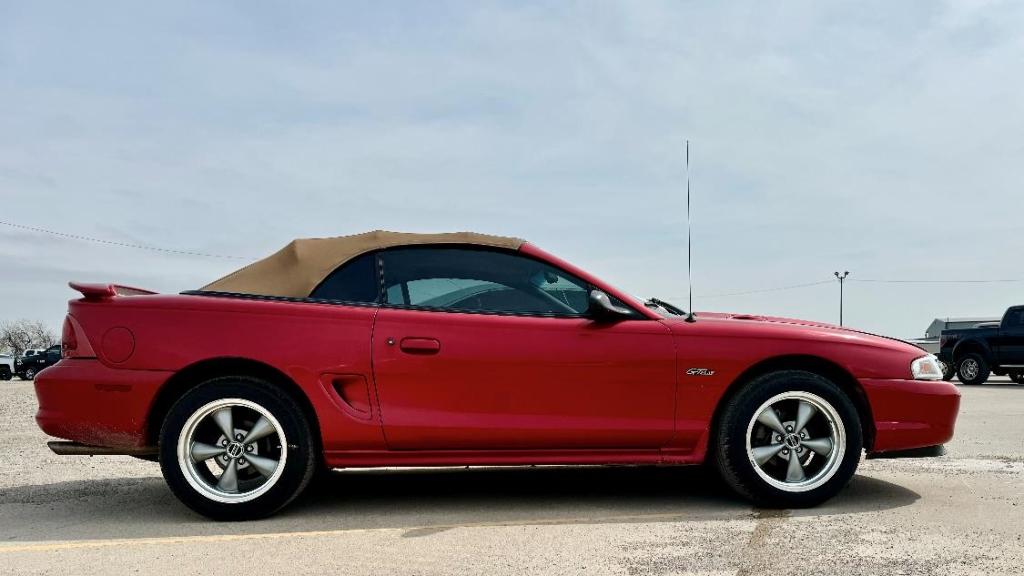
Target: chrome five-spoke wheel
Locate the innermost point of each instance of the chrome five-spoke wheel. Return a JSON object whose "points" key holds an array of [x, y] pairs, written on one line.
{"points": [[237, 448], [788, 439], [232, 450], [796, 441]]}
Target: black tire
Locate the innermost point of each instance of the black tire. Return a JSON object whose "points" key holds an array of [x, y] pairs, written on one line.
{"points": [[30, 374], [947, 371], [730, 439], [302, 452], [978, 374], [1017, 377]]}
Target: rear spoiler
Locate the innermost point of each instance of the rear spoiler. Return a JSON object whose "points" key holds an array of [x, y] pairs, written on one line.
{"points": [[104, 291]]}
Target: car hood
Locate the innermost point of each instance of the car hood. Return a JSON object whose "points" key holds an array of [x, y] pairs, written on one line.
{"points": [[809, 329], [772, 319]]}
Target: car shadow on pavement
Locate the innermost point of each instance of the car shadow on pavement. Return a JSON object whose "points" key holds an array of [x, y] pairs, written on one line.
{"points": [[415, 501]]}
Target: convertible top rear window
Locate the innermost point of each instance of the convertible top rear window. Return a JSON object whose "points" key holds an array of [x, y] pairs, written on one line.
{"points": [[356, 281]]}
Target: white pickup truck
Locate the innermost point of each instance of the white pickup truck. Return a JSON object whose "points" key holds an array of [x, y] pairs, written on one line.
{"points": [[6, 367]]}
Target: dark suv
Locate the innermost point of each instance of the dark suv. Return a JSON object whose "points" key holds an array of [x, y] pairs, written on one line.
{"points": [[26, 367]]}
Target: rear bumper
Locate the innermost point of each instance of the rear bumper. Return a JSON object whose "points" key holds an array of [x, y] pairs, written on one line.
{"points": [[84, 401], [911, 414]]}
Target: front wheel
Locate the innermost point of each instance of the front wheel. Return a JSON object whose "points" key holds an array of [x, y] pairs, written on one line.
{"points": [[237, 448], [789, 439], [30, 374], [973, 369]]}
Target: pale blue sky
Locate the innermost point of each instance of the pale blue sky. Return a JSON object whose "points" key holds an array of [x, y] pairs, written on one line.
{"points": [[883, 138]]}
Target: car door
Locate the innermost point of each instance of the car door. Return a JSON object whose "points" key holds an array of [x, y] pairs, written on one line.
{"points": [[1010, 342], [488, 349]]}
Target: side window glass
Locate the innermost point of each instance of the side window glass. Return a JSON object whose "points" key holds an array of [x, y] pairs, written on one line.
{"points": [[480, 280], [446, 291], [1016, 319], [355, 281], [395, 295], [565, 291]]}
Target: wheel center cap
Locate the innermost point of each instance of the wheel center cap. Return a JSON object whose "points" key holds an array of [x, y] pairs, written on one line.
{"points": [[793, 441], [235, 449]]}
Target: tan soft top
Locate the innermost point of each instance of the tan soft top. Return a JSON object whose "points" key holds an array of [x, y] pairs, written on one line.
{"points": [[295, 270]]}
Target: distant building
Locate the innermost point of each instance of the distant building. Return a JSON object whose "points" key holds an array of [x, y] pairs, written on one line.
{"points": [[930, 342], [939, 324]]}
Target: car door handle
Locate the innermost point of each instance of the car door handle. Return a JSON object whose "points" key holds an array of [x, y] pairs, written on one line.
{"points": [[413, 345]]}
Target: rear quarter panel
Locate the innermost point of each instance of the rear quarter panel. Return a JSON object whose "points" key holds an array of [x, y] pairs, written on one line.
{"points": [[310, 343]]}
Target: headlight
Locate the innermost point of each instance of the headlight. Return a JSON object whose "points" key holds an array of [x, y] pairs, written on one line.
{"points": [[926, 368]]}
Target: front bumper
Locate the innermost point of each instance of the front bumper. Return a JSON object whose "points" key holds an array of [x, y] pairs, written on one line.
{"points": [[84, 401], [911, 414]]}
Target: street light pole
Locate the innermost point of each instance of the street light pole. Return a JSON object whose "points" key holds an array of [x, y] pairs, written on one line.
{"points": [[841, 278]]}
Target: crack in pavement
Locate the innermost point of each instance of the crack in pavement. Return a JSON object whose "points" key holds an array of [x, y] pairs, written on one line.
{"points": [[756, 551]]}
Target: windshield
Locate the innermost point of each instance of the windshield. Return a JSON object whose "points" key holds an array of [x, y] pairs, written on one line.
{"points": [[663, 308]]}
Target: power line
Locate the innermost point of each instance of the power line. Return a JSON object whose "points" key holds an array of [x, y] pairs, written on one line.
{"points": [[870, 280], [83, 238], [121, 244], [761, 290], [914, 281]]}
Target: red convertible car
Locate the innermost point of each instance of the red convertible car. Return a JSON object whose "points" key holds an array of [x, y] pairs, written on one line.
{"points": [[391, 349]]}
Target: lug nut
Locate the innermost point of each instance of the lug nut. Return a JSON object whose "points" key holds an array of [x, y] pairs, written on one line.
{"points": [[785, 452], [789, 428], [224, 442], [238, 436], [248, 448]]}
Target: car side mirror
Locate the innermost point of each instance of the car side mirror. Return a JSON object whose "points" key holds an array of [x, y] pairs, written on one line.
{"points": [[602, 309]]}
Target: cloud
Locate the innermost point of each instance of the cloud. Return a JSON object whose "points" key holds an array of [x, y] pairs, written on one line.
{"points": [[879, 138]]}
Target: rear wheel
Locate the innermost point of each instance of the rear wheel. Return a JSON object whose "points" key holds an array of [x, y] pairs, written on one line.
{"points": [[972, 369], [947, 370], [789, 439], [237, 448]]}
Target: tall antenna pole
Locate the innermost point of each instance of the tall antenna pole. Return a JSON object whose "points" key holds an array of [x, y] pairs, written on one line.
{"points": [[689, 239]]}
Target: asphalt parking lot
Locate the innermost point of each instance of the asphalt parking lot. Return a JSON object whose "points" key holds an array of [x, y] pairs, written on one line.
{"points": [[959, 514]]}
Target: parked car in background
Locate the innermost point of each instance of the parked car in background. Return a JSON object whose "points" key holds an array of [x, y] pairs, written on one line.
{"points": [[6, 367], [389, 349], [27, 366], [933, 334], [988, 348]]}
